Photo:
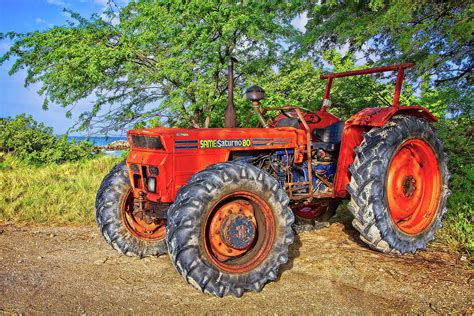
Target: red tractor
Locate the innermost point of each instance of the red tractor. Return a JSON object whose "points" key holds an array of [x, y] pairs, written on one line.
{"points": [[222, 201]]}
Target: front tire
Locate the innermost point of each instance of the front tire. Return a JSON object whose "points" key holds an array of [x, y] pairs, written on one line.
{"points": [[125, 232], [229, 229], [399, 186]]}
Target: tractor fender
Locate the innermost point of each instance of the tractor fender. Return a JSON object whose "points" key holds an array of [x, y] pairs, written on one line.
{"points": [[352, 136], [378, 117]]}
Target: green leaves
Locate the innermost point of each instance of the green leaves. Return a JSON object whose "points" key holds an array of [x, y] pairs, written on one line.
{"points": [[436, 35], [168, 57], [34, 143]]}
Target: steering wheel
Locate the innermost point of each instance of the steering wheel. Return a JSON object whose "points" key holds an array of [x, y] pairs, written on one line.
{"points": [[314, 115]]}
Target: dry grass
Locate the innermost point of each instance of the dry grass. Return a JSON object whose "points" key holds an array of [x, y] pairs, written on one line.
{"points": [[51, 194]]}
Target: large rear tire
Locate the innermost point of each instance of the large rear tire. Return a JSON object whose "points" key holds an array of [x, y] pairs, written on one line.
{"points": [[229, 229], [125, 232], [399, 186]]}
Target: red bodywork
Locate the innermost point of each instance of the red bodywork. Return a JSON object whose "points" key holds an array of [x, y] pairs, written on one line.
{"points": [[187, 151], [183, 154]]}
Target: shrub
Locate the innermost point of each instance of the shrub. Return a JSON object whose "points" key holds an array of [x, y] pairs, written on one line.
{"points": [[458, 224], [35, 143]]}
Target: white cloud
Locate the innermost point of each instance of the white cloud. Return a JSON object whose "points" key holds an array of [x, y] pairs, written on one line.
{"points": [[113, 20], [4, 47], [57, 2], [43, 22], [300, 21], [102, 2]]}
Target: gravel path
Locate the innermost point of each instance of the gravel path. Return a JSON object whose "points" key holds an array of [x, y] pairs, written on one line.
{"points": [[71, 269]]}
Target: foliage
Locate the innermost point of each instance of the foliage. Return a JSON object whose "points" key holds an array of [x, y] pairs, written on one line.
{"points": [[457, 135], [437, 35], [50, 194], [162, 58], [34, 143]]}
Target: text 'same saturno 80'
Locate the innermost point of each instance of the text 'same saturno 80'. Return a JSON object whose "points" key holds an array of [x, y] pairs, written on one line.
{"points": [[222, 201]]}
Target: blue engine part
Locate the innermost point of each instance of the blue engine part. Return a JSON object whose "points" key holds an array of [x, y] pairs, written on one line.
{"points": [[277, 162], [326, 170]]}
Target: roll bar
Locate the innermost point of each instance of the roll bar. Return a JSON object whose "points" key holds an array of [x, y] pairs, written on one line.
{"points": [[400, 68]]}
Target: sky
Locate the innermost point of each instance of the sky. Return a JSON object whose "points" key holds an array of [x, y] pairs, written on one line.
{"points": [[31, 15]]}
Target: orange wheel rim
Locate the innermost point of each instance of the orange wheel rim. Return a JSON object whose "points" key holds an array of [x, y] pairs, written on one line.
{"points": [[413, 186], [239, 232], [138, 226]]}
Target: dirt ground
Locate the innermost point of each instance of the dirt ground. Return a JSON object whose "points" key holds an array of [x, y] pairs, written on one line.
{"points": [[52, 270]]}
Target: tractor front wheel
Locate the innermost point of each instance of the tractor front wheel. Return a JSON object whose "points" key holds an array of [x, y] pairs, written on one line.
{"points": [[399, 186], [229, 229], [121, 227]]}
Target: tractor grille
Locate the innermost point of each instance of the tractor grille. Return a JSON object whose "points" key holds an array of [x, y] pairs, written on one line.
{"points": [[142, 141]]}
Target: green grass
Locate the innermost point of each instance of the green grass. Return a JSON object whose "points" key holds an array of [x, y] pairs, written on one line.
{"points": [[51, 194], [65, 195]]}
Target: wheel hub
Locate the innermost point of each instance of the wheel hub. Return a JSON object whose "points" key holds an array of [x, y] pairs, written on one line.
{"points": [[238, 231], [409, 186], [232, 229]]}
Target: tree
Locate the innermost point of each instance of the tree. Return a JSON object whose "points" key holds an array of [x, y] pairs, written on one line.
{"points": [[437, 35], [162, 58]]}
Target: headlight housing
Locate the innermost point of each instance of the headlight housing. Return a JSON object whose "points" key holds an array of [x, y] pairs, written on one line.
{"points": [[151, 184]]}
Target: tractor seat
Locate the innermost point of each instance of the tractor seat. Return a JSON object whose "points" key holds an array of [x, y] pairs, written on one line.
{"points": [[331, 134]]}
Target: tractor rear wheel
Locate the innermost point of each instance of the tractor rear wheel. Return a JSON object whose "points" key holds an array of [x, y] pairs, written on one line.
{"points": [[229, 229], [124, 231], [399, 186]]}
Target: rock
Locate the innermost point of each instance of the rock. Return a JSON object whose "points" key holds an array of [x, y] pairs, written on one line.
{"points": [[115, 145], [52, 235]]}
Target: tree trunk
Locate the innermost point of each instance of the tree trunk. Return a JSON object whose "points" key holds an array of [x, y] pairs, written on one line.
{"points": [[230, 116], [207, 121]]}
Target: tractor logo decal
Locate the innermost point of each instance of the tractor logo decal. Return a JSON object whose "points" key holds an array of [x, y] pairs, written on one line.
{"points": [[224, 143], [229, 143]]}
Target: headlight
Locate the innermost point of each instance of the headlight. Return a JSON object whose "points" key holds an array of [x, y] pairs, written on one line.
{"points": [[151, 184]]}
